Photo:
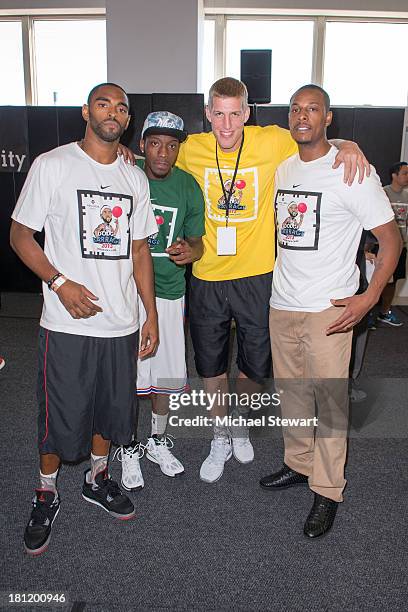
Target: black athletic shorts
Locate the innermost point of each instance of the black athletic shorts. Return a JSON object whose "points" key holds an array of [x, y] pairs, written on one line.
{"points": [[86, 385], [213, 304]]}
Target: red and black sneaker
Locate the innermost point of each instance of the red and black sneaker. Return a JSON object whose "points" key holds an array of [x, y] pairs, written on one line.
{"points": [[106, 493], [46, 505]]}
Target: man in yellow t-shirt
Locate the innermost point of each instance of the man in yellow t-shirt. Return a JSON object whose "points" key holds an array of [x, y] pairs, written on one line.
{"points": [[235, 168]]}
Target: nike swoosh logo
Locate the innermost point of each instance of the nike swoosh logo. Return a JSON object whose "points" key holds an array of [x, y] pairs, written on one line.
{"points": [[105, 186], [294, 186]]}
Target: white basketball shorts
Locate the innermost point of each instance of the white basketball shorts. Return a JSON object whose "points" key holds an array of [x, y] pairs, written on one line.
{"points": [[165, 372]]}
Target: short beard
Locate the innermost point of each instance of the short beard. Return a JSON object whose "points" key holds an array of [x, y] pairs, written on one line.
{"points": [[110, 136]]}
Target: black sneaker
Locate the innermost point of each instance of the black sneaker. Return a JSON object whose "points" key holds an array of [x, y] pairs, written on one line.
{"points": [[107, 494], [46, 505]]}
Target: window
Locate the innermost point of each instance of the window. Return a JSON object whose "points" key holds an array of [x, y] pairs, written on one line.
{"points": [[11, 72], [51, 60], [292, 51], [70, 58], [208, 57], [360, 61], [370, 68]]}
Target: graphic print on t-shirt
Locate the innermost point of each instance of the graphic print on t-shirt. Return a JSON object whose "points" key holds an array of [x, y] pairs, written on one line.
{"points": [[104, 224], [243, 204], [166, 222], [401, 217], [298, 219]]}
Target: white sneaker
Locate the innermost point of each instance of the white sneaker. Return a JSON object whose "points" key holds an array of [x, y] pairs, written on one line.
{"points": [[132, 477], [243, 450], [212, 468], [157, 451]]}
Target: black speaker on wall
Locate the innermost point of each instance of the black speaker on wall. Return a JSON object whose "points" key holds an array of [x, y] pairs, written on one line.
{"points": [[256, 68]]}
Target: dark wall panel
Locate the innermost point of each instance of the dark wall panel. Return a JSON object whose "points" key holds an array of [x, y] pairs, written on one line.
{"points": [[140, 107], [190, 107], [272, 115], [8, 259], [7, 196], [378, 131], [70, 125], [7, 200], [42, 129], [342, 125], [15, 276]]}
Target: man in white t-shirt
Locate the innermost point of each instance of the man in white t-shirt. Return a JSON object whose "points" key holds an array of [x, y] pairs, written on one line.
{"points": [[89, 325], [313, 306]]}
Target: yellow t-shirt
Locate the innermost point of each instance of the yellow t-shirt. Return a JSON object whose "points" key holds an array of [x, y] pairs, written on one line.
{"points": [[251, 204]]}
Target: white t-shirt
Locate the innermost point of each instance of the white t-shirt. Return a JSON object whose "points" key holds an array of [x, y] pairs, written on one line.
{"points": [[319, 222], [91, 212]]}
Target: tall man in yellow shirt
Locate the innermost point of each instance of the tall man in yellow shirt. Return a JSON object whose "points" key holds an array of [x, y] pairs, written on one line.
{"points": [[235, 168]]}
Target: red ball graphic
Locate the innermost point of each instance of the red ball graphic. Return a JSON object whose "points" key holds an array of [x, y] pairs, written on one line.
{"points": [[117, 211], [159, 220], [240, 184], [302, 208]]}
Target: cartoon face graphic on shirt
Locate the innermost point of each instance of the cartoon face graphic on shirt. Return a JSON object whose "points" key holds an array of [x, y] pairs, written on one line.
{"points": [[298, 219], [295, 219], [104, 224], [166, 222], [107, 229], [243, 205], [235, 198]]}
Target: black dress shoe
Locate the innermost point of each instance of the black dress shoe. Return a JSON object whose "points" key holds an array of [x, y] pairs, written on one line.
{"points": [[286, 477], [321, 517]]}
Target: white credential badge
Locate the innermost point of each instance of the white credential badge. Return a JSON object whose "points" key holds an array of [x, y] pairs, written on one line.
{"points": [[226, 240]]}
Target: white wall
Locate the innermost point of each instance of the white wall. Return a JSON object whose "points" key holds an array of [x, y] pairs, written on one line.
{"points": [[153, 46]]}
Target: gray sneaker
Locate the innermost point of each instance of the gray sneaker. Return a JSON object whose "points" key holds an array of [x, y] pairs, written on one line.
{"points": [[213, 467]]}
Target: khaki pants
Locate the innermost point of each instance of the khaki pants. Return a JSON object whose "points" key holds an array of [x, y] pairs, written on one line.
{"points": [[311, 371]]}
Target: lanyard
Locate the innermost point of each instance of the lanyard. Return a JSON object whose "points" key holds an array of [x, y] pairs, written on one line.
{"points": [[227, 198]]}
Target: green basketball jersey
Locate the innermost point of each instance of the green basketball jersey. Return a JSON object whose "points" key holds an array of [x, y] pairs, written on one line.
{"points": [[178, 206]]}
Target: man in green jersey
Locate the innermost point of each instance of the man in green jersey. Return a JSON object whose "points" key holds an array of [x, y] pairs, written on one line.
{"points": [[178, 206]]}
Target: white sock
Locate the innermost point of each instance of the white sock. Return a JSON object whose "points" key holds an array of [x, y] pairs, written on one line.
{"points": [[220, 431], [98, 464], [159, 424], [49, 481]]}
